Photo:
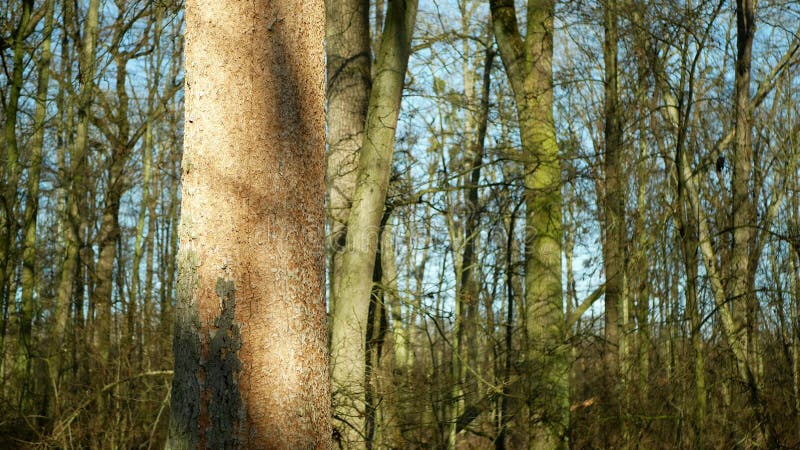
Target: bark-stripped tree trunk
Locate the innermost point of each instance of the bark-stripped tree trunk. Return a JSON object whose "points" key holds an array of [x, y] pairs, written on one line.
{"points": [[349, 60], [251, 364], [352, 293], [528, 59]]}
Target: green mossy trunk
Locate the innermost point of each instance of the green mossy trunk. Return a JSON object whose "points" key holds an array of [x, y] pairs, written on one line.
{"points": [[547, 354], [10, 173], [349, 62], [542, 420], [352, 293]]}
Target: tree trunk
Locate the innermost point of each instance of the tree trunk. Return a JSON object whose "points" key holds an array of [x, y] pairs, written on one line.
{"points": [[250, 342], [614, 232], [349, 59], [11, 170], [508, 336], [352, 294], [469, 286], [528, 64], [32, 197], [109, 232], [10, 173], [144, 241], [377, 324], [75, 221], [687, 228], [794, 259], [743, 213]]}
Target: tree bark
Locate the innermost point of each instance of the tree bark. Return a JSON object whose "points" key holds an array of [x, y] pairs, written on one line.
{"points": [[10, 173], [144, 241], [32, 197], [528, 64], [353, 291], [465, 326], [688, 241], [75, 222], [349, 60], [743, 211], [614, 227], [251, 365], [11, 170]]}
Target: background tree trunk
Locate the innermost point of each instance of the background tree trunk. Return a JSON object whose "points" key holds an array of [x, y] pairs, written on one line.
{"points": [[528, 62], [349, 59], [615, 235], [350, 314]]}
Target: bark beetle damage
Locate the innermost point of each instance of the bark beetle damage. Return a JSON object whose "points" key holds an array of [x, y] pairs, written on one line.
{"points": [[252, 209], [226, 409], [207, 369], [187, 347]]}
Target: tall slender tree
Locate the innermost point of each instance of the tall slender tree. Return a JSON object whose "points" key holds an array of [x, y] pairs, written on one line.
{"points": [[743, 209], [614, 234], [528, 61], [74, 220], [352, 294], [349, 59], [32, 197], [10, 170]]}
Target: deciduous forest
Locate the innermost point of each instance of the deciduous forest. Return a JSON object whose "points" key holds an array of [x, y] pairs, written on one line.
{"points": [[400, 224]]}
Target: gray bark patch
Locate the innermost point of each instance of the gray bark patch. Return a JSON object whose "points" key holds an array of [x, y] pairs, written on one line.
{"points": [[226, 408], [187, 348], [205, 386]]}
